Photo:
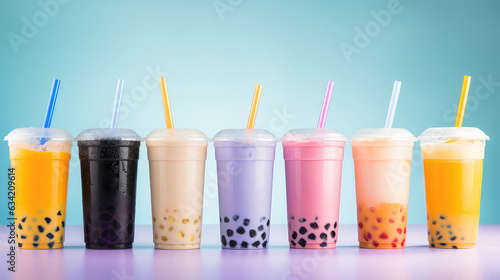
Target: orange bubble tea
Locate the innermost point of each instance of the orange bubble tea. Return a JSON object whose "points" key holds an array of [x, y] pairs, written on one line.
{"points": [[453, 167], [40, 159], [382, 164]]}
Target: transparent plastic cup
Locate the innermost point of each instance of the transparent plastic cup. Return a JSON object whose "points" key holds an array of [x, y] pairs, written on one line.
{"points": [[382, 167], [177, 173], [453, 168], [245, 161], [41, 184], [313, 166], [108, 160]]}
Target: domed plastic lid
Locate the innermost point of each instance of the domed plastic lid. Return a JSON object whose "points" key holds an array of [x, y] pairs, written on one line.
{"points": [[314, 134], [244, 135], [108, 134], [450, 133], [176, 135], [374, 134], [33, 133]]}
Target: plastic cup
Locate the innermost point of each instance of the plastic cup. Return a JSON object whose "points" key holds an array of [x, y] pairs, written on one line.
{"points": [[177, 173], [108, 160], [453, 168], [382, 166], [41, 184], [245, 160], [313, 166]]}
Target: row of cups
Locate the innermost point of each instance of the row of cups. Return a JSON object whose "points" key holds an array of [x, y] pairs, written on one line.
{"points": [[245, 159]]}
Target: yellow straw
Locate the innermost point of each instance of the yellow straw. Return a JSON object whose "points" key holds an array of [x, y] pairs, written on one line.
{"points": [[255, 106], [463, 102], [166, 103]]}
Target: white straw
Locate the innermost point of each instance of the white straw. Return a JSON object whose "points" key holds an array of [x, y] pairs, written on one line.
{"points": [[393, 104], [118, 101]]}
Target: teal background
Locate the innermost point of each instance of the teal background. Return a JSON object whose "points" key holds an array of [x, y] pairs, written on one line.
{"points": [[213, 61]]}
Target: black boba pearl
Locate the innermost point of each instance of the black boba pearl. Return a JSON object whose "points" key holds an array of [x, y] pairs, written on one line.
{"points": [[449, 226], [223, 240], [438, 232], [262, 219], [35, 245], [226, 220], [301, 220], [302, 230], [292, 217], [232, 243], [294, 235], [256, 244], [463, 238], [49, 235], [453, 238], [40, 229], [57, 229], [264, 244], [327, 226], [51, 244], [316, 218], [450, 232], [19, 226], [235, 217], [23, 220], [302, 242], [312, 236], [59, 213], [261, 228], [314, 225], [20, 245], [263, 236], [246, 222], [240, 230], [323, 244], [230, 232], [130, 217], [17, 236], [433, 222], [48, 220], [130, 228], [335, 225], [24, 236], [244, 244], [252, 233], [442, 217], [454, 247], [268, 222], [323, 236], [35, 238], [442, 244], [439, 238], [220, 219], [293, 243], [62, 223], [60, 239], [333, 234], [116, 225], [432, 245]]}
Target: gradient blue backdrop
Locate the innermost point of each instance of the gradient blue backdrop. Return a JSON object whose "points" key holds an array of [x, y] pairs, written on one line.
{"points": [[214, 52]]}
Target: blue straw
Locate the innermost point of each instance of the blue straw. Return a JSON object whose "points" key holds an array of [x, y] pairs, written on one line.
{"points": [[118, 102], [393, 104], [51, 104]]}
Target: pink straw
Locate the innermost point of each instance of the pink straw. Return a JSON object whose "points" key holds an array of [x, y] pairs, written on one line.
{"points": [[326, 105]]}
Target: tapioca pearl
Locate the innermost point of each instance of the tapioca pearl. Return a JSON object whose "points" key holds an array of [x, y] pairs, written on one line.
{"points": [[268, 222], [440, 237], [453, 238], [302, 230], [59, 213], [229, 232], [312, 236], [161, 226], [432, 245], [372, 209], [360, 225], [23, 236], [403, 218], [302, 242], [191, 237], [256, 244], [35, 245], [170, 228], [399, 230], [292, 217], [264, 244], [323, 236], [48, 220], [261, 228], [263, 218], [130, 228], [17, 236], [433, 222], [116, 225], [391, 220], [315, 218], [24, 219], [20, 245], [130, 217], [156, 236], [394, 212], [30, 228], [323, 244], [185, 221], [223, 240], [170, 219], [405, 230], [196, 221], [375, 228], [220, 219], [383, 235], [366, 219], [199, 235], [294, 235], [263, 236], [454, 247], [252, 233], [240, 230], [41, 229], [246, 222], [244, 244], [34, 219], [335, 225], [226, 220], [293, 243], [236, 217], [61, 239], [180, 234], [442, 244], [442, 217], [163, 238], [57, 229], [327, 226], [19, 226], [379, 220], [302, 220], [62, 223], [313, 225], [51, 245], [375, 244], [333, 234], [438, 232]]}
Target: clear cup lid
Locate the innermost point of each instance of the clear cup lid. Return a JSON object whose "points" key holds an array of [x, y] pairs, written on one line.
{"points": [[314, 134], [108, 134], [177, 135], [239, 135], [33, 133], [447, 133], [374, 134]]}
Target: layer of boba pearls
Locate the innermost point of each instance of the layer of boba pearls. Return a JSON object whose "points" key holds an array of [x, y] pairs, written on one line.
{"points": [[443, 233], [41, 231], [310, 233], [244, 233]]}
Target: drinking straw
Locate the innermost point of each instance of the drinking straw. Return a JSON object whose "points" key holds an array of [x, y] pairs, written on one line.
{"points": [[393, 104], [118, 102], [463, 101], [326, 105], [52, 103], [255, 106], [166, 103]]}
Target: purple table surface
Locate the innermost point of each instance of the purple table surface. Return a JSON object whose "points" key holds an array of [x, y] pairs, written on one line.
{"points": [[347, 261]]}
